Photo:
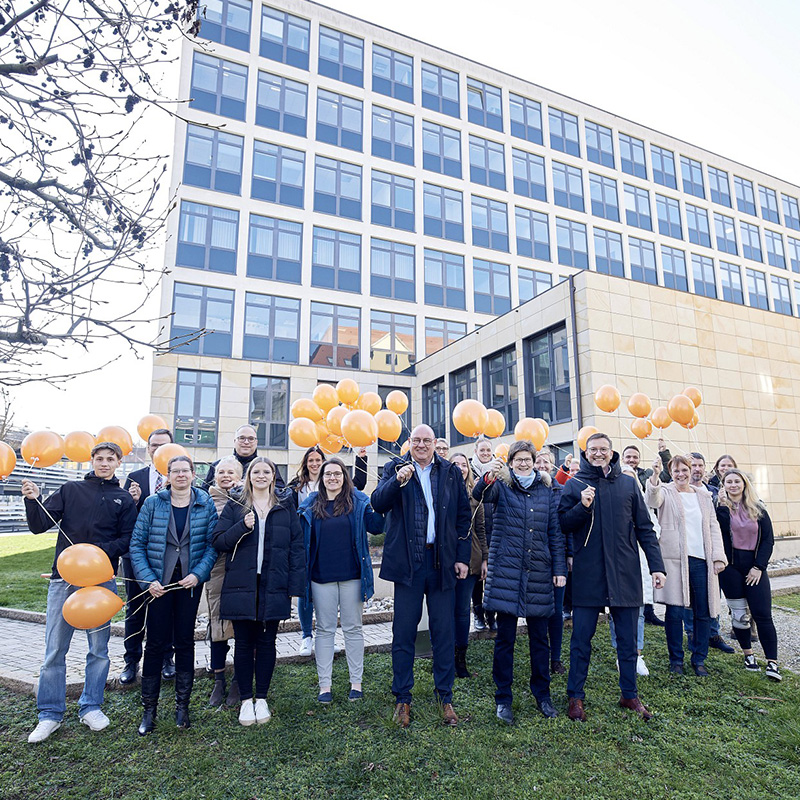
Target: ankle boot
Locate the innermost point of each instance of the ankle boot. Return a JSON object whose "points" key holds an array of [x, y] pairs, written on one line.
{"points": [[480, 618], [151, 686], [491, 621], [183, 691], [218, 694], [234, 697], [461, 663]]}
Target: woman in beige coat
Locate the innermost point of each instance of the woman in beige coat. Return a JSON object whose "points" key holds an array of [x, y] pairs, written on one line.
{"points": [[691, 545]]}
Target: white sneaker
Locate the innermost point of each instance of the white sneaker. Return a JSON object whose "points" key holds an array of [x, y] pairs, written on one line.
{"points": [[337, 648], [262, 712], [307, 647], [641, 667], [96, 720], [772, 671], [43, 730], [247, 713]]}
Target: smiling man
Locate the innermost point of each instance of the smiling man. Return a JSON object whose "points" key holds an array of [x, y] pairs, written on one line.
{"points": [[245, 449]]}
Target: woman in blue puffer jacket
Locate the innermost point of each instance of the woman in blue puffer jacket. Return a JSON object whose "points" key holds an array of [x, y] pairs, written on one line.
{"points": [[526, 561], [172, 555]]}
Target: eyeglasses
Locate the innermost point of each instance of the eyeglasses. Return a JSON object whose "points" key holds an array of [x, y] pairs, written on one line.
{"points": [[337, 475], [522, 461], [180, 472], [245, 439], [426, 442], [601, 451]]}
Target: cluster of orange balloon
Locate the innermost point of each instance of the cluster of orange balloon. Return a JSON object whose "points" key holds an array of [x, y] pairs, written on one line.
{"points": [[471, 419], [86, 565], [338, 415]]}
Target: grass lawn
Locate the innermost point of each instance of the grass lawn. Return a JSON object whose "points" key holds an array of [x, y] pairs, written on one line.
{"points": [[787, 600], [23, 559], [733, 736]]}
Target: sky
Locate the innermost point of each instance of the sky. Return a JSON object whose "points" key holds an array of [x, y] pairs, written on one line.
{"points": [[720, 75]]}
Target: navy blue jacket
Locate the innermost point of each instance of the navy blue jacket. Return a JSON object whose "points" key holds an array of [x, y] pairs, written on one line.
{"points": [[453, 517], [142, 477]]}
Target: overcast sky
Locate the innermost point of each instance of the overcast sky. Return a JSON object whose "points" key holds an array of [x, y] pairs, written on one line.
{"points": [[720, 75]]}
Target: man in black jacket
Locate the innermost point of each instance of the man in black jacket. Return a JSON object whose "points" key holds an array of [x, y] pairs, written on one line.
{"points": [[96, 510], [245, 449], [606, 515], [427, 548]]}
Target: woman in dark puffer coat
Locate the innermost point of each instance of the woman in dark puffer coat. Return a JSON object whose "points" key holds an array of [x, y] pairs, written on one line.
{"points": [[526, 560]]}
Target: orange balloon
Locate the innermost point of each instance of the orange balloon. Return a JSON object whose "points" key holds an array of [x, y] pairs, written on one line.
{"points": [[641, 428], [322, 430], [693, 393], [359, 428], [347, 391], [91, 607], [397, 401], [607, 398], [470, 418], [530, 430], [681, 409], [325, 397], [544, 425], [405, 447], [303, 432], [165, 453], [334, 419], [661, 418], [693, 423], [584, 433], [42, 448], [8, 460], [78, 446], [495, 424], [501, 451], [639, 405], [331, 444], [149, 423], [306, 407], [370, 402], [389, 425], [84, 565], [118, 435]]}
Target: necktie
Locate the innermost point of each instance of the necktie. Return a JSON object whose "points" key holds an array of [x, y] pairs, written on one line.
{"points": [[159, 482]]}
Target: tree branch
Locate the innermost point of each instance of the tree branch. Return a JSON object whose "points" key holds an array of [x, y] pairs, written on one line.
{"points": [[29, 67], [28, 11]]}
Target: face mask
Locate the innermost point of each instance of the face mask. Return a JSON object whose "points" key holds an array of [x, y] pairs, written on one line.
{"points": [[525, 481]]}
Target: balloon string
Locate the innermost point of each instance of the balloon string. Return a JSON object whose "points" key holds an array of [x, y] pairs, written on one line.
{"points": [[54, 520], [644, 444]]}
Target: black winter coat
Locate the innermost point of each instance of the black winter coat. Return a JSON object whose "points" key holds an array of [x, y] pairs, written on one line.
{"points": [[605, 569], [208, 481], [764, 544], [283, 570]]}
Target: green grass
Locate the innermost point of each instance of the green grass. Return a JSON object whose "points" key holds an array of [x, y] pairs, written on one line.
{"points": [[733, 736], [787, 601], [23, 560]]}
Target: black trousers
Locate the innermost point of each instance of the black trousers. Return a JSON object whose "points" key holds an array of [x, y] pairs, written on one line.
{"points": [[135, 616], [254, 653]]}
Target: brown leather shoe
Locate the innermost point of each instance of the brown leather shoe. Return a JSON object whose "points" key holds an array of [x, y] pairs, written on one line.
{"points": [[635, 704], [402, 714], [576, 711], [448, 714]]}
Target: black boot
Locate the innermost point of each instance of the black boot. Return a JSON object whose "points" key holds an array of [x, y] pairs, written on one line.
{"points": [[128, 675], [233, 694], [480, 618], [650, 616], [461, 663], [218, 694], [491, 622], [183, 691], [168, 668], [151, 686]]}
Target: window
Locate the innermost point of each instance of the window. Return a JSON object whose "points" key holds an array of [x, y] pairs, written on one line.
{"points": [[281, 104], [643, 260], [226, 22], [196, 408], [794, 254], [797, 297], [463, 386], [213, 159], [669, 216], [548, 376], [487, 162], [529, 180], [392, 73], [745, 199], [492, 287], [269, 410], [631, 156], [337, 188], [526, 118], [207, 237], [564, 132], [275, 249], [697, 223], [392, 270], [202, 320], [532, 283], [392, 201], [692, 174], [637, 207], [271, 328], [608, 253], [769, 204], [441, 332], [781, 299], [775, 255], [340, 120], [757, 289], [433, 407], [219, 87], [599, 144], [567, 186], [440, 90], [751, 241], [484, 104], [489, 223], [500, 385], [336, 260], [791, 212], [719, 186], [441, 149], [278, 174], [341, 56], [284, 37], [726, 234], [663, 166], [572, 244], [704, 281], [673, 263], [605, 202], [405, 418], [335, 332], [443, 211], [444, 279], [533, 234], [731, 279], [391, 339], [392, 135]]}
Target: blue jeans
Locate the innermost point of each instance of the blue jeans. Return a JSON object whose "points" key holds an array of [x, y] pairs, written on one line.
{"points": [[305, 613], [555, 625], [503, 665], [51, 693], [688, 625], [639, 631], [463, 596], [673, 619]]}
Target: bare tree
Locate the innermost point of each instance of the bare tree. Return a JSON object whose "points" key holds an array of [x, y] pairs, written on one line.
{"points": [[81, 202]]}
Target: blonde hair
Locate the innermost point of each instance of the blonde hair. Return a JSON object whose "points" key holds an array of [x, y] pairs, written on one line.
{"points": [[231, 461], [750, 499], [247, 492]]}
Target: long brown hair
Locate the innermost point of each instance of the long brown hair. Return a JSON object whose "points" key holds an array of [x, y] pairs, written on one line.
{"points": [[247, 493], [303, 475], [470, 479], [343, 503]]}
